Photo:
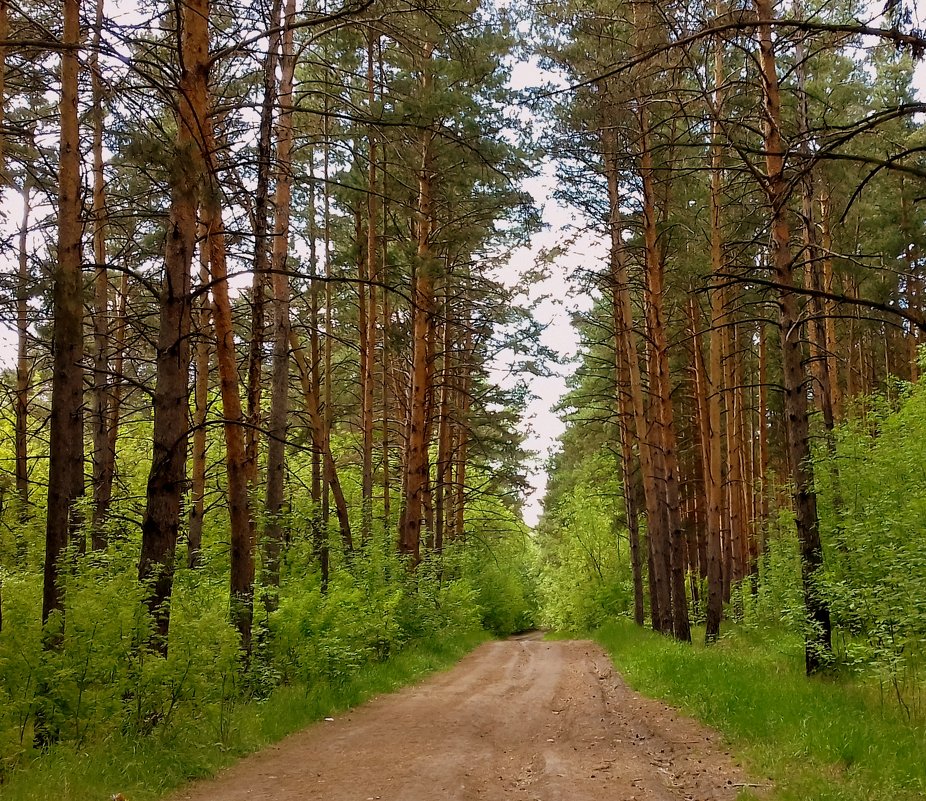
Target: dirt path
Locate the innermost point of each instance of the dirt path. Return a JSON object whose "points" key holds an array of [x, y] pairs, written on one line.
{"points": [[522, 719]]}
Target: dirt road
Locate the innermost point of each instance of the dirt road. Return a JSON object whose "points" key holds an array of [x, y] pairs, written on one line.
{"points": [[522, 719]]}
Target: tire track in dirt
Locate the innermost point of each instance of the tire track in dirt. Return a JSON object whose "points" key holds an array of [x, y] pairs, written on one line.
{"points": [[521, 719]]}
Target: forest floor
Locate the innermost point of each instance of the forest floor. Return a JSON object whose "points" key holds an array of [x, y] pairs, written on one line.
{"points": [[520, 719]]}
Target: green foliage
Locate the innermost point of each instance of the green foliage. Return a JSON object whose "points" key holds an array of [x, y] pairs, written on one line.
{"points": [[584, 575], [817, 739], [148, 768], [496, 561], [873, 504]]}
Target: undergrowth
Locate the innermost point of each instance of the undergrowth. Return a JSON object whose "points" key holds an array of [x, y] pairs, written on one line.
{"points": [[820, 739], [147, 768]]}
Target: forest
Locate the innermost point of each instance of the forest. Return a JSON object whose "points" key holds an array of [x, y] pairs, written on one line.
{"points": [[270, 340]]}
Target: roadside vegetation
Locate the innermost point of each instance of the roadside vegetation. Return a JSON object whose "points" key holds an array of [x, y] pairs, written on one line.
{"points": [[829, 738], [857, 730], [198, 745]]}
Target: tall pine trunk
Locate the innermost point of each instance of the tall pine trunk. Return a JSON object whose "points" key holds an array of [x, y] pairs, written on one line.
{"points": [[104, 457], [660, 592], [818, 637], [671, 547], [200, 414], [261, 276], [66, 463], [416, 479], [23, 368], [170, 436], [279, 397]]}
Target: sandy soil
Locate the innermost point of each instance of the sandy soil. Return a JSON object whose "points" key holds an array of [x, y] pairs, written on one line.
{"points": [[522, 719]]}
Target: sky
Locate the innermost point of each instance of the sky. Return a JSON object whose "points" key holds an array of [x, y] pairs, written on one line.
{"points": [[556, 301]]}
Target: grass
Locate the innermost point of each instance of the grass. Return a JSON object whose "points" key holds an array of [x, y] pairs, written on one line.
{"points": [[150, 768], [819, 739]]}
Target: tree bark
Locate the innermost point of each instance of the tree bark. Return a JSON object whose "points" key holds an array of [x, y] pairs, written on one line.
{"points": [[261, 276], [416, 460], [368, 305], [713, 467], [660, 592], [66, 463], [241, 521], [200, 413], [23, 368], [818, 637], [672, 547], [310, 375], [321, 443], [279, 398], [167, 477], [104, 458]]}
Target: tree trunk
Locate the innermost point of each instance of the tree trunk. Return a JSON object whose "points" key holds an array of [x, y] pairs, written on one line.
{"points": [[708, 406], [818, 637], [367, 293], [104, 459], [829, 307], [200, 412], [763, 515], [166, 479], [23, 369], [417, 461], [279, 398], [261, 276], [463, 432], [310, 376], [713, 465], [660, 592], [672, 547], [241, 587], [444, 443], [66, 464], [321, 442]]}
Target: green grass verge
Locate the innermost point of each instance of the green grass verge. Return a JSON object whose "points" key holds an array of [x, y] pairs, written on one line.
{"points": [[819, 739], [149, 768]]}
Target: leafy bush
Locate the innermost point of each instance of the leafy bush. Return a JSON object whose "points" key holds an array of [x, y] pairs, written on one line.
{"points": [[873, 507]]}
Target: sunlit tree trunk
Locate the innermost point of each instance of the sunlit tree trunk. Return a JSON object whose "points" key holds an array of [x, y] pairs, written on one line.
{"points": [[416, 460], [672, 547], [660, 593], [713, 468], [241, 522], [710, 460], [624, 400]]}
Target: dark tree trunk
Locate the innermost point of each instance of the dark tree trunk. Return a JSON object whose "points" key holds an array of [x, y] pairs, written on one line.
{"points": [[818, 638], [66, 464]]}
